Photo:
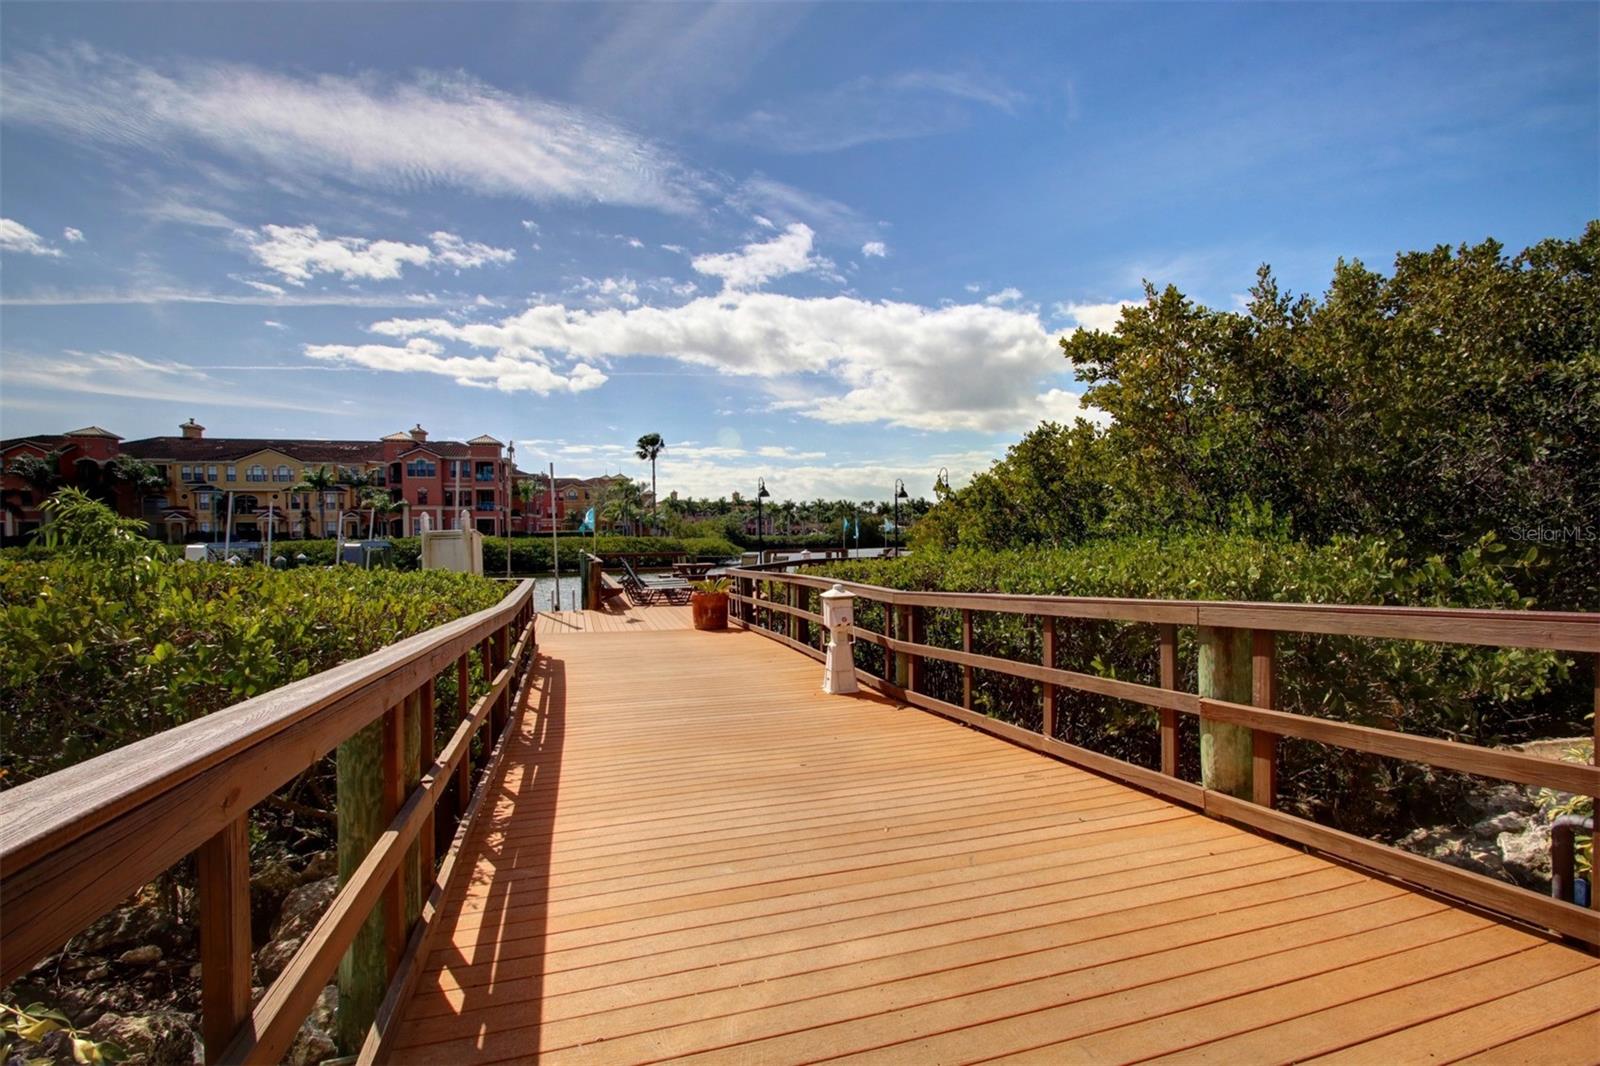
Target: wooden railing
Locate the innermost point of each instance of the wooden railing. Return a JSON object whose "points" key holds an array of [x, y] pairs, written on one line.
{"points": [[77, 843], [776, 603]]}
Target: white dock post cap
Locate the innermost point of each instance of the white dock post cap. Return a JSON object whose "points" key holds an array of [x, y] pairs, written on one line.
{"points": [[839, 668]]}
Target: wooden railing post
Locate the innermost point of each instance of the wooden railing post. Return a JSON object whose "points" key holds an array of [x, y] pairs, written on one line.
{"points": [[917, 633], [966, 646], [1049, 690], [463, 707], [1264, 693], [1227, 751], [1168, 636], [428, 838], [902, 661], [223, 864], [363, 972], [411, 870], [393, 908], [889, 669], [1594, 836]]}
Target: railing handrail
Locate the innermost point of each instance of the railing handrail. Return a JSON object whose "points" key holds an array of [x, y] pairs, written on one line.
{"points": [[45, 814], [1553, 630], [1568, 631]]}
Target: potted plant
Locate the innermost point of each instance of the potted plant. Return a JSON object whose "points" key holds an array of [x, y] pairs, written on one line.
{"points": [[710, 603]]}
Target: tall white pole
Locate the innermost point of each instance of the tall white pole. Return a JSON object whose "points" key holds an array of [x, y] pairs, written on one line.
{"points": [[227, 534], [272, 516], [555, 538]]}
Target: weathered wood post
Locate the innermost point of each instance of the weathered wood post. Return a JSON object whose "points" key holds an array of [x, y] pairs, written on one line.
{"points": [[411, 869], [966, 646], [902, 631], [1048, 690], [364, 970], [1226, 750], [1168, 669]]}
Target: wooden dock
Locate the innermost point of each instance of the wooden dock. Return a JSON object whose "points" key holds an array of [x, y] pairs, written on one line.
{"points": [[694, 854], [627, 619]]}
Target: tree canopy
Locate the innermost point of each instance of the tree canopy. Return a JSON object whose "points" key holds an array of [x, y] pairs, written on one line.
{"points": [[1457, 396]]}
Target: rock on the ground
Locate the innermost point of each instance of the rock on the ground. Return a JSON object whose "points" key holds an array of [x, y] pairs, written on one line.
{"points": [[160, 1039], [314, 1042], [1527, 855], [301, 909], [144, 955], [269, 885]]}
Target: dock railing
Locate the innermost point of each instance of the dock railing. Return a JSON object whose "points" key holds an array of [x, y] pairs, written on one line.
{"points": [[777, 600], [75, 844]]}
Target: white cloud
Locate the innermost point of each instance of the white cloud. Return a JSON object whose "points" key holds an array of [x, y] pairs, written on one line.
{"points": [[512, 369], [432, 129], [874, 248], [676, 249], [299, 252], [113, 373], [274, 324], [264, 286], [270, 296], [1101, 317], [452, 251], [868, 109], [530, 225], [973, 287], [761, 261], [1003, 297], [71, 235], [837, 359], [15, 237]]}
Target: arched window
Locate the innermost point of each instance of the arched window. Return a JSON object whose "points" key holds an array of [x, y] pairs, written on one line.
{"points": [[256, 473], [285, 474]]}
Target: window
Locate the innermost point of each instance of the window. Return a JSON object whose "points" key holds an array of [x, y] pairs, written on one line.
{"points": [[211, 473], [422, 497], [203, 500], [285, 474], [205, 527], [256, 473], [449, 498], [572, 494], [186, 472], [330, 499], [421, 468], [233, 473]]}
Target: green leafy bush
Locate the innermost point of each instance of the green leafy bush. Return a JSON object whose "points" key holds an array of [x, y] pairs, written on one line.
{"points": [[92, 657], [1476, 694]]}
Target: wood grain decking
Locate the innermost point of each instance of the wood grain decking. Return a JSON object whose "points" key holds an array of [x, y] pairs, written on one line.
{"points": [[628, 619], [694, 854]]}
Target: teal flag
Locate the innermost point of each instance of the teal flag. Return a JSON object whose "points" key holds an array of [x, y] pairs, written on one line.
{"points": [[588, 522]]}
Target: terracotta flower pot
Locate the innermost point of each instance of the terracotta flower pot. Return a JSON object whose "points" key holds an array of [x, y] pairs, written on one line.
{"points": [[710, 610]]}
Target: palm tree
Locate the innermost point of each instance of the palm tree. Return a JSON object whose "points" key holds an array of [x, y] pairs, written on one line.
{"points": [[623, 503], [319, 481], [650, 446], [43, 475], [526, 491], [377, 502]]}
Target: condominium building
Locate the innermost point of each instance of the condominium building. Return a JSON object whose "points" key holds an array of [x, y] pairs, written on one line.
{"points": [[427, 481]]}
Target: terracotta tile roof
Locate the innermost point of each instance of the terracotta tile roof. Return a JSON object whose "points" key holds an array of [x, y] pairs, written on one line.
{"points": [[185, 449]]}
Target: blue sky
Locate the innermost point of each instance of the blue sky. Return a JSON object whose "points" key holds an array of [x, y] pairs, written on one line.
{"points": [[827, 245]]}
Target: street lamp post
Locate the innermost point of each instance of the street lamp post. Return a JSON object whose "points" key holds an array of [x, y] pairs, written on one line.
{"points": [[761, 494], [899, 494], [511, 482], [941, 482]]}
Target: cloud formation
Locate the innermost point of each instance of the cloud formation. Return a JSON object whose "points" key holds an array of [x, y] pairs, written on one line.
{"points": [[761, 261], [433, 129], [1102, 317], [15, 237], [299, 252], [837, 359]]}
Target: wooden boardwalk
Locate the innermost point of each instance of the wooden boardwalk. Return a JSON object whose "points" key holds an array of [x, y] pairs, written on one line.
{"points": [[694, 854], [628, 619]]}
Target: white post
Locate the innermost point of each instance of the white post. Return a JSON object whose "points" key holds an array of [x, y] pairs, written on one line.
{"points": [[555, 538], [838, 614], [227, 534]]}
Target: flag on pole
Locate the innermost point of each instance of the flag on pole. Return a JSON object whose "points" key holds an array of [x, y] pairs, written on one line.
{"points": [[588, 522]]}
